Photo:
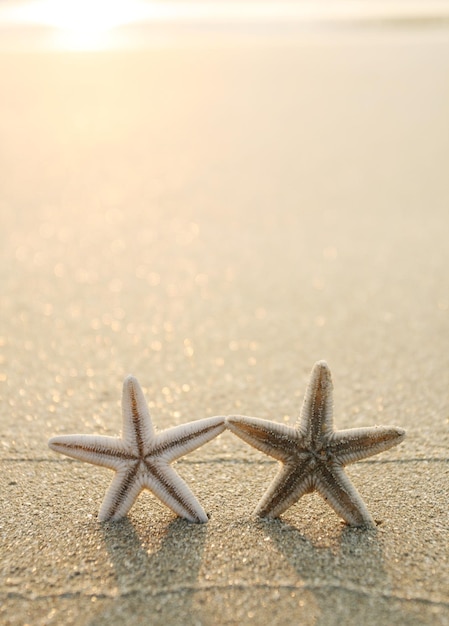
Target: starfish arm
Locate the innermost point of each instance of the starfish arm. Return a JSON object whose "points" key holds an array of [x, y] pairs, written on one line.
{"points": [[122, 493], [290, 483], [276, 440], [336, 488], [180, 440], [106, 451], [317, 409], [171, 489], [137, 427], [354, 444]]}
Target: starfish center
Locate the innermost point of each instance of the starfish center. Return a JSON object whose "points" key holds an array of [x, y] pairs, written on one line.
{"points": [[318, 456]]}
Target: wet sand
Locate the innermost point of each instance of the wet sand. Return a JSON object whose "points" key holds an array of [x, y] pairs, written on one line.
{"points": [[214, 220]]}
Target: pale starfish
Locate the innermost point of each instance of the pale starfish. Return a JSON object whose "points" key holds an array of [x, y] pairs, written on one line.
{"points": [[142, 457], [313, 454]]}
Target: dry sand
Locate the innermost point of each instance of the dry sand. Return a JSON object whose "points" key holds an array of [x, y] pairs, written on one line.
{"points": [[214, 220]]}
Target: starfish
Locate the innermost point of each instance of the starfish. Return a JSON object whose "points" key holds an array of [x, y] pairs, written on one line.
{"points": [[141, 457], [313, 454]]}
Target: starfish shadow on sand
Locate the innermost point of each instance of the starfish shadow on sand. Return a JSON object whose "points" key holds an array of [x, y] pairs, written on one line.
{"points": [[156, 578], [341, 578]]}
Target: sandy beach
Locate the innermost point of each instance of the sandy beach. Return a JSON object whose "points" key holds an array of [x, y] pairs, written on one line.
{"points": [[214, 219]]}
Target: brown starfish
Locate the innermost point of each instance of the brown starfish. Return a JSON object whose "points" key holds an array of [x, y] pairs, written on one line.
{"points": [[313, 454]]}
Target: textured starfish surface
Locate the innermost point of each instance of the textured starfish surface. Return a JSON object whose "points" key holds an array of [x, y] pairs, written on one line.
{"points": [[141, 457], [313, 454]]}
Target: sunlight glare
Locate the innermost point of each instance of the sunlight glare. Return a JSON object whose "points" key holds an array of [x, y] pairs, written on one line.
{"points": [[95, 24], [84, 24]]}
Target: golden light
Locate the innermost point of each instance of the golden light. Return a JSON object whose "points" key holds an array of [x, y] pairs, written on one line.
{"points": [[95, 24], [83, 24]]}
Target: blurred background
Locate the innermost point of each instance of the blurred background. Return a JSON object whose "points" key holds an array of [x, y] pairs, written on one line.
{"points": [[48, 24], [214, 195]]}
